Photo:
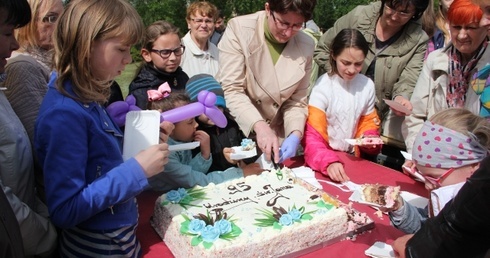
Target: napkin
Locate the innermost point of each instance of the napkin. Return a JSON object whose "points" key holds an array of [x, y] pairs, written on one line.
{"points": [[380, 250]]}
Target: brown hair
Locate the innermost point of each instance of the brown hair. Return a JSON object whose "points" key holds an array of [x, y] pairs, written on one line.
{"points": [[83, 22], [301, 7], [157, 29], [203, 8], [172, 101]]}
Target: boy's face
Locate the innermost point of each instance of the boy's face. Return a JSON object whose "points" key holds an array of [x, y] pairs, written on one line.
{"points": [[184, 131], [8, 43]]}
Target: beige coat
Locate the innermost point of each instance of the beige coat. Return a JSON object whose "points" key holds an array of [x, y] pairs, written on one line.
{"points": [[256, 89]]}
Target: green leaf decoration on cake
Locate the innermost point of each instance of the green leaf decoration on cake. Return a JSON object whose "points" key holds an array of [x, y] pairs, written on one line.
{"points": [[206, 229], [323, 204], [280, 217], [184, 197]]}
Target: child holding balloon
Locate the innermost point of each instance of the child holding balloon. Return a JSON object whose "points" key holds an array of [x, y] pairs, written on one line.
{"points": [[184, 170]]}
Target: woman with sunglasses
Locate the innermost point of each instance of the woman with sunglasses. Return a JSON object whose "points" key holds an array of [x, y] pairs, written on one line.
{"points": [[447, 151], [162, 54], [397, 45], [265, 67]]}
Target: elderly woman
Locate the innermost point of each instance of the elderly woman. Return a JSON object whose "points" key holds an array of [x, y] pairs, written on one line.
{"points": [[200, 56], [397, 45], [266, 65], [445, 78]]}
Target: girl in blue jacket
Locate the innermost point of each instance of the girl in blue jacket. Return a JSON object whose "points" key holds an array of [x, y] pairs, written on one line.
{"points": [[90, 190]]}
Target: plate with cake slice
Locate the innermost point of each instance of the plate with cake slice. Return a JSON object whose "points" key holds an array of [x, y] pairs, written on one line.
{"points": [[365, 141], [247, 149], [376, 195]]}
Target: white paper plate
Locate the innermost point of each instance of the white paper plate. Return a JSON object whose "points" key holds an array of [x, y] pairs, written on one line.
{"points": [[357, 196], [184, 146], [415, 200], [352, 141], [141, 131], [241, 154], [380, 250], [406, 155], [397, 106]]}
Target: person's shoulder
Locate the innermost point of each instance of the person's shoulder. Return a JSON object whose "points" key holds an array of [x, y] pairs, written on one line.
{"points": [[248, 20], [414, 31]]}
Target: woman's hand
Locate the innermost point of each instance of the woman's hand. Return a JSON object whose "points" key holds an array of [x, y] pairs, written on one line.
{"points": [[400, 244], [227, 153], [153, 159], [337, 173], [404, 102], [205, 143], [267, 140]]}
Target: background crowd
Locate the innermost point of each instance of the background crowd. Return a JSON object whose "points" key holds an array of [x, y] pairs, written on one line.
{"points": [[412, 73]]}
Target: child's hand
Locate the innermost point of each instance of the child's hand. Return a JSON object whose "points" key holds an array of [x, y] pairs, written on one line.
{"points": [[251, 169], [166, 129], [336, 172], [153, 159], [227, 153], [205, 142]]}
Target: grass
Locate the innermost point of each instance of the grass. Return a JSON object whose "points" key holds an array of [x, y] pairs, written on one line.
{"points": [[126, 77]]}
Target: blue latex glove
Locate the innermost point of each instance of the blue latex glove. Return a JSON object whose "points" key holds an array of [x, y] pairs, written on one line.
{"points": [[289, 147]]}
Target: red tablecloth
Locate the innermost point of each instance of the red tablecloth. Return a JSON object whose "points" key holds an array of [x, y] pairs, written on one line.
{"points": [[360, 171]]}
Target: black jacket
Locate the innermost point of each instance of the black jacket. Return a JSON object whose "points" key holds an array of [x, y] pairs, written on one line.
{"points": [[150, 78], [462, 228], [229, 136]]}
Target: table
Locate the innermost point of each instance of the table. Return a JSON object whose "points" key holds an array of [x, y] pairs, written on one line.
{"points": [[359, 170]]}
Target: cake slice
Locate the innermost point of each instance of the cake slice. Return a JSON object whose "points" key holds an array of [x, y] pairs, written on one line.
{"points": [[369, 141], [382, 195]]}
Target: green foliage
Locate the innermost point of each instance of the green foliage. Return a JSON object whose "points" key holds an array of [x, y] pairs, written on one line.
{"points": [[328, 11]]}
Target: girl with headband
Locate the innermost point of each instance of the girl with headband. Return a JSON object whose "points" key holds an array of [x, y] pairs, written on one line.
{"points": [[447, 151]]}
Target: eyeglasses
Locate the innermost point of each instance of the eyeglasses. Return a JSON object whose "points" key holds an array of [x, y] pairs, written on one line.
{"points": [[199, 21], [402, 14], [437, 181], [285, 25], [49, 19], [165, 53]]}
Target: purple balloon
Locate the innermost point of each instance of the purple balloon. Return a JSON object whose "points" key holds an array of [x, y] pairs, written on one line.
{"points": [[205, 105]]}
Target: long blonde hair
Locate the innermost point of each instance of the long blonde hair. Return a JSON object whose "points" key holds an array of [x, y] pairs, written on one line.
{"points": [[83, 22], [27, 35]]}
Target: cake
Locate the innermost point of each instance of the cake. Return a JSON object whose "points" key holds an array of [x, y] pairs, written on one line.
{"points": [[266, 215], [247, 144], [369, 141], [382, 195]]}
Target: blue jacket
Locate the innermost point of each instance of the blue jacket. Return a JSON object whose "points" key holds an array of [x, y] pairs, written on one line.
{"points": [[80, 149], [182, 170]]}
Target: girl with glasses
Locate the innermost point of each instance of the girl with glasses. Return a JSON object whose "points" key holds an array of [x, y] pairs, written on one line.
{"points": [[162, 53], [447, 151]]}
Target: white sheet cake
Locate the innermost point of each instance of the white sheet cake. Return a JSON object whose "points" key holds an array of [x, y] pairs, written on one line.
{"points": [[269, 215]]}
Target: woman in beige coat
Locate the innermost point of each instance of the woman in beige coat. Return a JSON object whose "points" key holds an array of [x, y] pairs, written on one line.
{"points": [[265, 66]]}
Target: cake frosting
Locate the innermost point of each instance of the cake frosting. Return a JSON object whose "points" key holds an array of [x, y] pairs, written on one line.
{"points": [[247, 144], [383, 195], [267, 215], [369, 141]]}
